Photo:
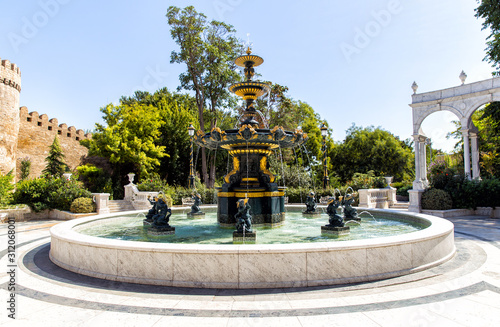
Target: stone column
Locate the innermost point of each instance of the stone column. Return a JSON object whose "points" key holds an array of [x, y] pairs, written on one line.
{"points": [[417, 181], [423, 161], [475, 156], [465, 134]]}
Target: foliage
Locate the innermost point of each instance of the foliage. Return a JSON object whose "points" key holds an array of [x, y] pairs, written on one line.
{"points": [[55, 161], [6, 188], [375, 149], [94, 179], [49, 193], [440, 174], [435, 199], [295, 176], [129, 137], [208, 50], [176, 111], [82, 205], [25, 168], [490, 12], [366, 181], [153, 184], [487, 121]]}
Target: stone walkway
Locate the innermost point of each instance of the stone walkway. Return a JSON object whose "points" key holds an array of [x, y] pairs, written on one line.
{"points": [[464, 291]]}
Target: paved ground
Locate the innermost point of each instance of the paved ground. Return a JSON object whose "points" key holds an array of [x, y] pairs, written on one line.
{"points": [[464, 291]]}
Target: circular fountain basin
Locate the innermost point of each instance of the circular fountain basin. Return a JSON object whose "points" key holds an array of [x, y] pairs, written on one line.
{"points": [[256, 265]]}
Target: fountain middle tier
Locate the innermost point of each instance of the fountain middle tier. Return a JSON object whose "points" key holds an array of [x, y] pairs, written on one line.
{"points": [[250, 177]]}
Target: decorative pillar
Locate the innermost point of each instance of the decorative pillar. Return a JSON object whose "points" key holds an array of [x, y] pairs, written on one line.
{"points": [[101, 202], [423, 161], [417, 181], [465, 134], [475, 156]]}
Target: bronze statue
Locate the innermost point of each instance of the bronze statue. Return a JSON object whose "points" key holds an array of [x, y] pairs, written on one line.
{"points": [[335, 219], [243, 217], [162, 215], [195, 208], [310, 203], [349, 211]]}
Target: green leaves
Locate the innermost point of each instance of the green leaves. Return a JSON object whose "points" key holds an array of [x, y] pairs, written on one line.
{"points": [[489, 10], [55, 160], [130, 136], [370, 148]]}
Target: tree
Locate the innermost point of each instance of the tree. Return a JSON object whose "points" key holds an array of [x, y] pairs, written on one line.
{"points": [[55, 160], [369, 148], [129, 138], [489, 10], [208, 50], [488, 138], [176, 111]]}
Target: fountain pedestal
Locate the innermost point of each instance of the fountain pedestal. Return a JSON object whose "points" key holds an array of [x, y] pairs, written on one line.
{"points": [[335, 231], [160, 231], [246, 238], [196, 215]]}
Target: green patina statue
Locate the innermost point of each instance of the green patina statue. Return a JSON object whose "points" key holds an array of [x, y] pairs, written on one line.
{"points": [[195, 208], [243, 217], [349, 211], [335, 219], [162, 215], [310, 203]]}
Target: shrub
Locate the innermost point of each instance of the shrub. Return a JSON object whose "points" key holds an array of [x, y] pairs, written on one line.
{"points": [[403, 191], [95, 179], [435, 199], [6, 188], [49, 193], [83, 205], [366, 181]]}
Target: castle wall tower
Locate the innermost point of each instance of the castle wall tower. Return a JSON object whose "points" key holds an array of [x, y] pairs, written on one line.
{"points": [[10, 87]]}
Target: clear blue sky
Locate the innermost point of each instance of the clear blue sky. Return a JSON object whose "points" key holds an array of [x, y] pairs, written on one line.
{"points": [[76, 56]]}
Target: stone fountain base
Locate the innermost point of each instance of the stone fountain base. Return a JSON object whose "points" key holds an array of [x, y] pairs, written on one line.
{"points": [[247, 238], [161, 231], [335, 231]]}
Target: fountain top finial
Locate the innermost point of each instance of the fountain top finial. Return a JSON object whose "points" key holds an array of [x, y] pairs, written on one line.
{"points": [[249, 51]]}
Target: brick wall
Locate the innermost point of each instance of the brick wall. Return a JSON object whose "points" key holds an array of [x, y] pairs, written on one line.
{"points": [[36, 134]]}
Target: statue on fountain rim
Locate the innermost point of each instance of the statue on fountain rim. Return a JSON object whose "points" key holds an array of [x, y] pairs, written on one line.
{"points": [[243, 217], [349, 211], [310, 203], [335, 219]]}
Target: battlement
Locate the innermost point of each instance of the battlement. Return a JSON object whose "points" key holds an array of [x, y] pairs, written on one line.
{"points": [[10, 74], [33, 119], [8, 65]]}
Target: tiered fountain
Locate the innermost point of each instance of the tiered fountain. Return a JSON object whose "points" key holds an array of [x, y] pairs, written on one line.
{"points": [[249, 146]]}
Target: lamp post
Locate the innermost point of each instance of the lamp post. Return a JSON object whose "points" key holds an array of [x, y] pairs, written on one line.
{"points": [[191, 168], [324, 132]]}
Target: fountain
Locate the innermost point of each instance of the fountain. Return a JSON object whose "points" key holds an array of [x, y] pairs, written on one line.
{"points": [[250, 199], [249, 146]]}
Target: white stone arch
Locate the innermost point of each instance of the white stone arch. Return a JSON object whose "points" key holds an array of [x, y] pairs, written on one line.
{"points": [[463, 101], [417, 125]]}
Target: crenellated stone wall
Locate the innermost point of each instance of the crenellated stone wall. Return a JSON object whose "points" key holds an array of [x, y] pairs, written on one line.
{"points": [[36, 134], [10, 87]]}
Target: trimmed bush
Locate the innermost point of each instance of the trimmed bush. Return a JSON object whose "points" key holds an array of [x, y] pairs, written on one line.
{"points": [[83, 205], [49, 193], [435, 199]]}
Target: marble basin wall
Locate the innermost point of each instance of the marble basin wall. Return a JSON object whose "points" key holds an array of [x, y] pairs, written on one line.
{"points": [[252, 266]]}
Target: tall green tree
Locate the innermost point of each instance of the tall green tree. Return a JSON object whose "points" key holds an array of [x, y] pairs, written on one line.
{"points": [[489, 10], [208, 50], [369, 148], [129, 137], [55, 160]]}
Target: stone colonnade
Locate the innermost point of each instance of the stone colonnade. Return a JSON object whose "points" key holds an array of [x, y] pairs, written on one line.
{"points": [[463, 101]]}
